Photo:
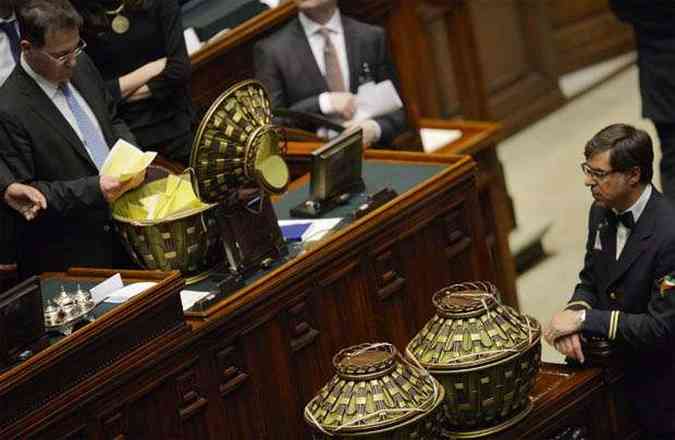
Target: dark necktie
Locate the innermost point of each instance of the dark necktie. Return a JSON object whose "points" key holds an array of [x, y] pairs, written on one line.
{"points": [[8, 27], [334, 79], [625, 219]]}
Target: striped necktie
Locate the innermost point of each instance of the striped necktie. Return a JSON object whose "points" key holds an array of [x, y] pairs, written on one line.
{"points": [[9, 28], [92, 137], [334, 79]]}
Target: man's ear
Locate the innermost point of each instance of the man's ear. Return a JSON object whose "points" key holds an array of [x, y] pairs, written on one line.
{"points": [[634, 176], [25, 45]]}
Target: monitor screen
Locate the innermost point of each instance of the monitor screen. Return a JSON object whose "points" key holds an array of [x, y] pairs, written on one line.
{"points": [[336, 166]]}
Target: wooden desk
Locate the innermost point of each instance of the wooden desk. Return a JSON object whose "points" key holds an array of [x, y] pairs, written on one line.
{"points": [[246, 365], [479, 139]]}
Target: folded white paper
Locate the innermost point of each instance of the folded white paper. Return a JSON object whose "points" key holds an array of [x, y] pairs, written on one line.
{"points": [[127, 292], [102, 290], [318, 228], [189, 297], [375, 100], [192, 42], [435, 138]]}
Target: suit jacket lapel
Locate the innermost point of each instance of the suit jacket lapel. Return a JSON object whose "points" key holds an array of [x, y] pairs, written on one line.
{"points": [[637, 241], [45, 108], [307, 58], [353, 53]]}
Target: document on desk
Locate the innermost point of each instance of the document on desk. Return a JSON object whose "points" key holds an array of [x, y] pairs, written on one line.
{"points": [[436, 138], [318, 228], [375, 100], [103, 289], [189, 298]]}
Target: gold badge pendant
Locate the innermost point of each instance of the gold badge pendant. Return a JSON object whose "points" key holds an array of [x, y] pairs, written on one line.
{"points": [[120, 24]]}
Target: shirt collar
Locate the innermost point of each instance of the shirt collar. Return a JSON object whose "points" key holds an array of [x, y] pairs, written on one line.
{"points": [[639, 206], [51, 89], [311, 27], [9, 19]]}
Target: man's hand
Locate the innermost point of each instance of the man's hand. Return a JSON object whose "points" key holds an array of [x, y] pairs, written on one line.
{"points": [[25, 199], [344, 104], [570, 346], [113, 189], [371, 130], [563, 323]]}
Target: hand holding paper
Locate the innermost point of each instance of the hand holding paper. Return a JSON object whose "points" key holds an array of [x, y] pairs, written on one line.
{"points": [[125, 161], [375, 100]]}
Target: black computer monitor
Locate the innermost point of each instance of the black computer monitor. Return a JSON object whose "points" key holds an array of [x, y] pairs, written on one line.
{"points": [[336, 166]]}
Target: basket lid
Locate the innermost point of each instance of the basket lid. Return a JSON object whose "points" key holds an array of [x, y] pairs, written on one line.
{"points": [[237, 146], [374, 389], [471, 328]]}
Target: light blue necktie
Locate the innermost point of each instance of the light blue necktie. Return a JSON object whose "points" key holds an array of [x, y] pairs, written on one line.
{"points": [[93, 139]]}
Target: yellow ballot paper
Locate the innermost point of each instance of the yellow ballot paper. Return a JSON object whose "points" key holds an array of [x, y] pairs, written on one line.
{"points": [[125, 161], [160, 200]]}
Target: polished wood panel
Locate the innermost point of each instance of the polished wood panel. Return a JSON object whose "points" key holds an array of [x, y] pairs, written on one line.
{"points": [[245, 367], [480, 140], [586, 32]]}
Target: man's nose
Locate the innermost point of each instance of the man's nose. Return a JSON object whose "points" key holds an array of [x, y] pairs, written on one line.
{"points": [[589, 181]]}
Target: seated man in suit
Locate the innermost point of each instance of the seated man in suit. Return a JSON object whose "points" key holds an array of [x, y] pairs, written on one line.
{"points": [[60, 122], [624, 293], [317, 62]]}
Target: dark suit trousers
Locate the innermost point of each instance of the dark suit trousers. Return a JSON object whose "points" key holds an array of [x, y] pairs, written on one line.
{"points": [[666, 132]]}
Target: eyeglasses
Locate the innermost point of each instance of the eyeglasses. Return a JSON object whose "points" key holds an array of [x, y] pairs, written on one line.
{"points": [[595, 174], [69, 55]]}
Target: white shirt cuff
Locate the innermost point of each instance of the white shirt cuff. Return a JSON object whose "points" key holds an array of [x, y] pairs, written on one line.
{"points": [[377, 130], [325, 104]]}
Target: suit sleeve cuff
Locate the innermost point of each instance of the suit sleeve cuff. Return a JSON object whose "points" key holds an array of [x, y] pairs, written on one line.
{"points": [[602, 322], [325, 104], [578, 305]]}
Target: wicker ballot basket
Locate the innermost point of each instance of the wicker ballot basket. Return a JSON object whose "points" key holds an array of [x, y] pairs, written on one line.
{"points": [[236, 146], [375, 395], [189, 242], [485, 354]]}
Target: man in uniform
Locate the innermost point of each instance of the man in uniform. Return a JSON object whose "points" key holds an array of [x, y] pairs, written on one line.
{"points": [[623, 293]]}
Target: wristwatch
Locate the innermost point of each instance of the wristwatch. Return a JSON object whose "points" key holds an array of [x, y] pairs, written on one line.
{"points": [[581, 318]]}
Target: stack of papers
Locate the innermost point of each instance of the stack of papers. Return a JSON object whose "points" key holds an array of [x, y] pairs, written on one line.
{"points": [[159, 200]]}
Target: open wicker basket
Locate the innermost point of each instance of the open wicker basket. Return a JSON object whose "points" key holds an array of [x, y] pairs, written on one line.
{"points": [[189, 242]]}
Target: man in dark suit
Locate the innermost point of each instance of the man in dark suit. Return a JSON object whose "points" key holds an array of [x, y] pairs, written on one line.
{"points": [[27, 200], [317, 62], [654, 28], [60, 123], [623, 293]]}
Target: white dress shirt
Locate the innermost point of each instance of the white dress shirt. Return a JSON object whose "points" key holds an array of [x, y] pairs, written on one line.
{"points": [[57, 97], [6, 58], [317, 44], [622, 232]]}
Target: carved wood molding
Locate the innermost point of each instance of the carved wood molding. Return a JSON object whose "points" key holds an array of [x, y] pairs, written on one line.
{"points": [[389, 277], [301, 331], [190, 399], [229, 361]]}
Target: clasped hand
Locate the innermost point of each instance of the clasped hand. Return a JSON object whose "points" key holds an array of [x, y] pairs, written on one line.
{"points": [[563, 334]]}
